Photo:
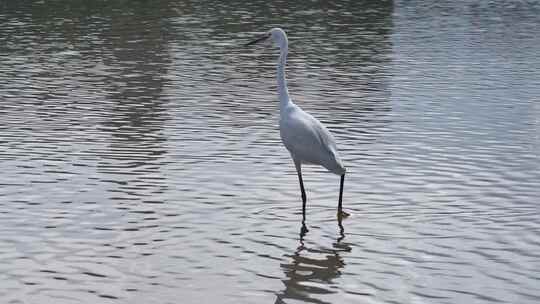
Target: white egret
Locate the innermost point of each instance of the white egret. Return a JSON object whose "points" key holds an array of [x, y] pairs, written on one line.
{"points": [[307, 140]]}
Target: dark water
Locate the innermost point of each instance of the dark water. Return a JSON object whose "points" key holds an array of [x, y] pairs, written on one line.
{"points": [[141, 162]]}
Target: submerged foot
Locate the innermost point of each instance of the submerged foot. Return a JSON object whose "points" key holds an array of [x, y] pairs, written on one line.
{"points": [[342, 214], [303, 230]]}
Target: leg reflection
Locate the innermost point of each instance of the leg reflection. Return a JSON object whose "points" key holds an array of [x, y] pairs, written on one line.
{"points": [[310, 272]]}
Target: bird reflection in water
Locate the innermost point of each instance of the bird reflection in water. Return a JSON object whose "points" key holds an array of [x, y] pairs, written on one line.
{"points": [[312, 267]]}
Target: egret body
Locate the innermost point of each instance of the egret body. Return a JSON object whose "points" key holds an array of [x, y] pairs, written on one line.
{"points": [[306, 138]]}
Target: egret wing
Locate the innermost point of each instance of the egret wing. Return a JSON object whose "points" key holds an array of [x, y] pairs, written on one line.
{"points": [[308, 140]]}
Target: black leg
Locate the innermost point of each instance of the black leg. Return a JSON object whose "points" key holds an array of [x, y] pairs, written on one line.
{"points": [[298, 166], [341, 193], [304, 198]]}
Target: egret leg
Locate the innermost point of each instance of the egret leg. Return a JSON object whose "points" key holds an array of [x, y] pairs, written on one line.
{"points": [[298, 166], [341, 213]]}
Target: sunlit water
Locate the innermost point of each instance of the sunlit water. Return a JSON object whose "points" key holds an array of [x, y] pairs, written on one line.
{"points": [[141, 162]]}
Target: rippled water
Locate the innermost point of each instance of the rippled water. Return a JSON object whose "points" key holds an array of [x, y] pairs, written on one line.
{"points": [[141, 162]]}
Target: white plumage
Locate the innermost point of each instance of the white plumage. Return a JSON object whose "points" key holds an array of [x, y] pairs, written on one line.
{"points": [[308, 140], [305, 137]]}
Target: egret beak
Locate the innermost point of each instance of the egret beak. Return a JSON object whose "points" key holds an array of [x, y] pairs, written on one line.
{"points": [[262, 38]]}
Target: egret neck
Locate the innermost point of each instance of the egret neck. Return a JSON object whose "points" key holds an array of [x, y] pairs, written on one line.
{"points": [[284, 99]]}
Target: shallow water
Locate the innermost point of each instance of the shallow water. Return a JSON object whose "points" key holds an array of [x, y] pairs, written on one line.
{"points": [[141, 162]]}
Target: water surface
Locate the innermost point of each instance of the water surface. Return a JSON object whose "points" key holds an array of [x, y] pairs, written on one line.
{"points": [[141, 162]]}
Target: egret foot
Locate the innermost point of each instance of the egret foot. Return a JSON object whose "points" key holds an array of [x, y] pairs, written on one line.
{"points": [[303, 230], [342, 214]]}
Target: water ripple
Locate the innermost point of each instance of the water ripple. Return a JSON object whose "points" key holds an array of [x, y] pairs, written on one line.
{"points": [[141, 158]]}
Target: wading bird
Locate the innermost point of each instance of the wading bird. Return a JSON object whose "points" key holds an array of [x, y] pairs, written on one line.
{"points": [[307, 140]]}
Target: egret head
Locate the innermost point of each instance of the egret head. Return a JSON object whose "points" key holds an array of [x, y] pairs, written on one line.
{"points": [[277, 36]]}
